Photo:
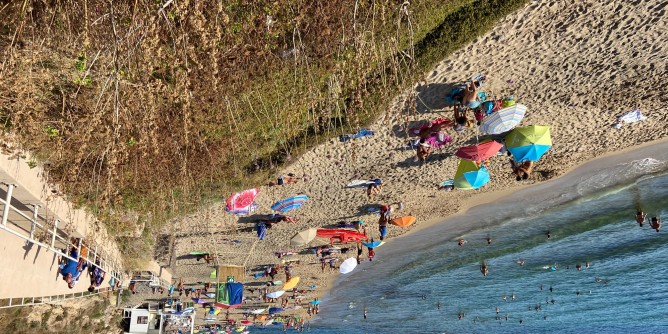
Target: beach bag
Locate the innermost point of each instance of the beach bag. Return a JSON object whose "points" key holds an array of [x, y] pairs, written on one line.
{"points": [[487, 107], [479, 115], [508, 102]]}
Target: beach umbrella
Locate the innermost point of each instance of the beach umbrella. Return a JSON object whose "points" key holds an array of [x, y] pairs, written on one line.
{"points": [[275, 294], [529, 143], [199, 301], [261, 230], [242, 203], [404, 221], [470, 176], [348, 265], [479, 152], [289, 203], [291, 283], [303, 237], [503, 120]]}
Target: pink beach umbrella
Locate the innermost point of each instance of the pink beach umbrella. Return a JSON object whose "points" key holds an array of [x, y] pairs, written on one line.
{"points": [[242, 203], [479, 152]]}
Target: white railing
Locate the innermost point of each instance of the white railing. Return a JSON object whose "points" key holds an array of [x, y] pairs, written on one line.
{"points": [[52, 239], [28, 301]]}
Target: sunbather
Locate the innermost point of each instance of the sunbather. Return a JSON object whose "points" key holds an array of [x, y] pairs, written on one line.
{"points": [[522, 169], [471, 98], [284, 180], [461, 121], [374, 189], [423, 151]]}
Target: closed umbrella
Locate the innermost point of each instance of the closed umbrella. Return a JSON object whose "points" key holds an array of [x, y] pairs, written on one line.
{"points": [[275, 294], [291, 283], [348, 265], [503, 120], [529, 143], [290, 203], [470, 176], [479, 152], [304, 237], [242, 203]]}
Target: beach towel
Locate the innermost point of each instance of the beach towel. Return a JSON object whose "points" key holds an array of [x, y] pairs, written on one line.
{"points": [[361, 133], [261, 230], [629, 117]]}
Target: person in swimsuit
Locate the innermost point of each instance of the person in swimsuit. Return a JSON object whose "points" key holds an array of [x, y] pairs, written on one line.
{"points": [[461, 121], [640, 217], [385, 217], [521, 169], [374, 189], [655, 223], [484, 269], [423, 151], [471, 98]]}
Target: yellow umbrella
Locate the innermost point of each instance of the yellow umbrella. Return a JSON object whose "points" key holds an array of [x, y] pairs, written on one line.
{"points": [[291, 283]]}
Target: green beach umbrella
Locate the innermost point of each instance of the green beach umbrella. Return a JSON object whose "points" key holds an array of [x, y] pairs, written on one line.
{"points": [[529, 143], [470, 176]]}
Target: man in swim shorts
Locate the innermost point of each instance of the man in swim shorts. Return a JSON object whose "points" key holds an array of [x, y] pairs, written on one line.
{"points": [[640, 217], [655, 223]]}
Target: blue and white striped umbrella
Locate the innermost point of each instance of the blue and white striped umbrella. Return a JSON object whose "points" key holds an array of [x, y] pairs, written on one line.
{"points": [[289, 203], [503, 120]]}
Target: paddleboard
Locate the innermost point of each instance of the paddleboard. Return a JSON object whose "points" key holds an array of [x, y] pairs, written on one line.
{"points": [[404, 221], [198, 253]]}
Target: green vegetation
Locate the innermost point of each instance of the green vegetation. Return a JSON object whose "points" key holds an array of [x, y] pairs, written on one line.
{"points": [[199, 98]]}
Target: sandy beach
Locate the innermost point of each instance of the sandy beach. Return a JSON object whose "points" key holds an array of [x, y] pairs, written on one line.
{"points": [[577, 65]]}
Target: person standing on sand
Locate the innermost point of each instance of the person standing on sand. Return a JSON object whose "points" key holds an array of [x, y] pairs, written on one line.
{"points": [[385, 217], [655, 223], [640, 217]]}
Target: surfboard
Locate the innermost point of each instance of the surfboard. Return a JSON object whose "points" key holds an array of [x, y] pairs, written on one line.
{"points": [[359, 183]]}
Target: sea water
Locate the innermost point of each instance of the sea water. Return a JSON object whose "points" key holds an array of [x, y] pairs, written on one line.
{"points": [[590, 216]]}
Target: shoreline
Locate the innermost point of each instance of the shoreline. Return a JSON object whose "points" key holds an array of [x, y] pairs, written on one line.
{"points": [[503, 196], [561, 76]]}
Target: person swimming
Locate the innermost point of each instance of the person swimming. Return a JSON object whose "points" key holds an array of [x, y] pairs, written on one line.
{"points": [[640, 217], [655, 223]]}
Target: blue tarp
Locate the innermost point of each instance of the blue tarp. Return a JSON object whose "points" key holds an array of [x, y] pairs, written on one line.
{"points": [[235, 292]]}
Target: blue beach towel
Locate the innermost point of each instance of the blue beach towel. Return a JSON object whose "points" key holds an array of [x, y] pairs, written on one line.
{"points": [[359, 134]]}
